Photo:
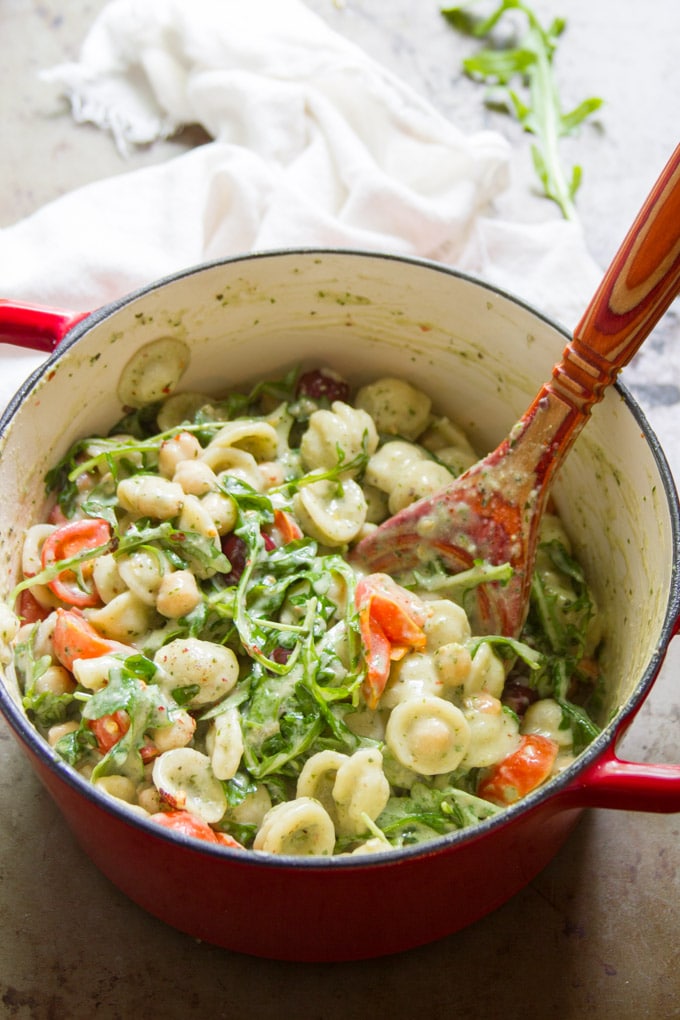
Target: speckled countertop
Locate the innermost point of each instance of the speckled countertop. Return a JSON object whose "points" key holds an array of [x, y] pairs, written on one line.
{"points": [[596, 934]]}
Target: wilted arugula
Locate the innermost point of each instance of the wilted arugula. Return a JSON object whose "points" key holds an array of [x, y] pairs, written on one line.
{"points": [[535, 102]]}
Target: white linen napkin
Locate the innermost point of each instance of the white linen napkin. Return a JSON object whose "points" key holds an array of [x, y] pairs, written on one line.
{"points": [[315, 144]]}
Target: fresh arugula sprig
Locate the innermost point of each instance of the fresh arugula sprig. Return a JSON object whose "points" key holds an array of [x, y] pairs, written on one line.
{"points": [[539, 109]]}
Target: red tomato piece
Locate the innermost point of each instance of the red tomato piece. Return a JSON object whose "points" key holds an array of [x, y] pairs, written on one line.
{"points": [[75, 638], [391, 623], [190, 825], [70, 540], [29, 609], [108, 729], [520, 772], [287, 527]]}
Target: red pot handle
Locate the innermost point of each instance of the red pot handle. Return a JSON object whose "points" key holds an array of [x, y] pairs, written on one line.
{"points": [[611, 782], [35, 327], [629, 786]]}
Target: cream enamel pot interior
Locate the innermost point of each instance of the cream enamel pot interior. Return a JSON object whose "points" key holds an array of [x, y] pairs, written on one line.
{"points": [[481, 355]]}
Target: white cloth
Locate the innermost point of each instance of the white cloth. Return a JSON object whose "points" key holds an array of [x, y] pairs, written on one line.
{"points": [[314, 145]]}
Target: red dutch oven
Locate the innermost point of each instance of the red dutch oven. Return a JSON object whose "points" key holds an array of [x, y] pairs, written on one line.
{"points": [[481, 355]]}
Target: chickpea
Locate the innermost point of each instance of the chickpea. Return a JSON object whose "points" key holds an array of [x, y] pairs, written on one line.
{"points": [[177, 734], [55, 680], [55, 733], [222, 509], [178, 594], [182, 447], [195, 476]]}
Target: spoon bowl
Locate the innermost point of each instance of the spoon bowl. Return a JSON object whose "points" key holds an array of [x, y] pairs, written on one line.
{"points": [[492, 512]]}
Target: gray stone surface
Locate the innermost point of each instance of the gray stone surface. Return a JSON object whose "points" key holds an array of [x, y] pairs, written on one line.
{"points": [[596, 934]]}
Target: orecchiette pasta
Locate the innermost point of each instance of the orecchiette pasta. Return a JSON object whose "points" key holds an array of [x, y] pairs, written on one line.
{"points": [[413, 676], [185, 780], [396, 407], [494, 733], [360, 791], [225, 744], [179, 408], [191, 662], [142, 572], [343, 431], [151, 496], [301, 827], [231, 462], [153, 371], [421, 478], [258, 438], [125, 618], [546, 717], [191, 632], [428, 735], [487, 672], [317, 779], [331, 512]]}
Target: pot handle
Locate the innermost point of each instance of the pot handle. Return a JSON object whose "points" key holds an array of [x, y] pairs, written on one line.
{"points": [[611, 782], [34, 327]]}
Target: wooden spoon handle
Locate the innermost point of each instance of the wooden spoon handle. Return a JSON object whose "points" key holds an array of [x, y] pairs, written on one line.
{"points": [[641, 282]]}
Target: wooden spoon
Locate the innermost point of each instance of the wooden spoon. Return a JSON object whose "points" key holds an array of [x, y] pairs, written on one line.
{"points": [[493, 511]]}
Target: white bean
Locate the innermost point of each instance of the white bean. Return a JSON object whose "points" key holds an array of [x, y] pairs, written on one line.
{"points": [[106, 577], [59, 730], [453, 663]]}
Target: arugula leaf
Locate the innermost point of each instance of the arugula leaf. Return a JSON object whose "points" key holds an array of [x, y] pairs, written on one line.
{"points": [[428, 811], [575, 718], [184, 548], [464, 581], [146, 705], [540, 112]]}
